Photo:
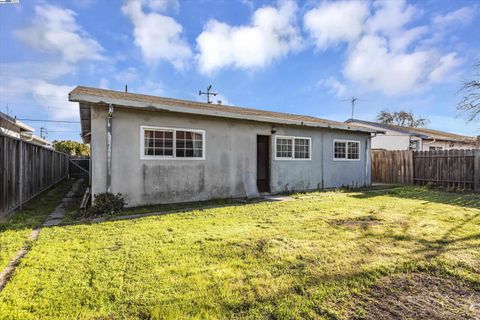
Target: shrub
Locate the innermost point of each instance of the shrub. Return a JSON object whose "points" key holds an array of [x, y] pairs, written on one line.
{"points": [[107, 204]]}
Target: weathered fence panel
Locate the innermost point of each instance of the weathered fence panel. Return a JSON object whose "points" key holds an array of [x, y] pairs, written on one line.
{"points": [[392, 166], [443, 168], [26, 170]]}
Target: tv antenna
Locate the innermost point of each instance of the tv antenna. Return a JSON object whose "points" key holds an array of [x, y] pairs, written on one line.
{"points": [[208, 93], [352, 101]]}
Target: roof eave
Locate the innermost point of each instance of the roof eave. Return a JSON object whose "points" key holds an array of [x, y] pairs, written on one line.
{"points": [[386, 127], [82, 98]]}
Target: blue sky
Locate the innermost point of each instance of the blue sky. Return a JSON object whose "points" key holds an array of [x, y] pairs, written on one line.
{"points": [[305, 57]]}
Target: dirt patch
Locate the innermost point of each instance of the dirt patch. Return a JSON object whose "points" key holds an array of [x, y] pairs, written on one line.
{"points": [[364, 221], [418, 296]]}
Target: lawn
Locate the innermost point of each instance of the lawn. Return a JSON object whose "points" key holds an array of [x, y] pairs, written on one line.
{"points": [[350, 254], [15, 229]]}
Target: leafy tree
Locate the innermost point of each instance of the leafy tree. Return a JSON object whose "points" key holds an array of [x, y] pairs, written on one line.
{"points": [[72, 148], [469, 106], [401, 118]]}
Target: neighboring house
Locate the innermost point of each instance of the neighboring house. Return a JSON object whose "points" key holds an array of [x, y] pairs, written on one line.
{"points": [[159, 150], [419, 139], [14, 128]]}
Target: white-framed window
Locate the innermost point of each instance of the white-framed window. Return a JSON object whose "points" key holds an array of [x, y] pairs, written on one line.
{"points": [[433, 148], [346, 150], [171, 143], [292, 148]]}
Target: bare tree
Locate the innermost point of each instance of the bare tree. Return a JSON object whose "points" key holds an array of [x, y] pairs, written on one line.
{"points": [[401, 118], [469, 106], [385, 117]]}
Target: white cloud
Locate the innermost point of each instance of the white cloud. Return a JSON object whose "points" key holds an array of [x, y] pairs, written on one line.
{"points": [[335, 87], [104, 83], [400, 41], [271, 35], [462, 16], [55, 30], [444, 68], [12, 88], [162, 5], [29, 69], [390, 16], [127, 76], [158, 36], [335, 22], [149, 87], [384, 52], [372, 65], [54, 98]]}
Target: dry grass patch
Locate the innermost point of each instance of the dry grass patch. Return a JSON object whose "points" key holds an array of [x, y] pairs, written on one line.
{"points": [[418, 295]]}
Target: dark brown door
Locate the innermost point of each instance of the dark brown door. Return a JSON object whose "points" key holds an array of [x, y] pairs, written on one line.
{"points": [[263, 163]]}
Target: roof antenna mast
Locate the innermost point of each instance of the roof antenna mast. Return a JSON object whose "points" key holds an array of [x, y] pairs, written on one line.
{"points": [[352, 101], [208, 93]]}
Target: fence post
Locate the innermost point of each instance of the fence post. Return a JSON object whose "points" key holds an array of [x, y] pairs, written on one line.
{"points": [[476, 170], [20, 174]]}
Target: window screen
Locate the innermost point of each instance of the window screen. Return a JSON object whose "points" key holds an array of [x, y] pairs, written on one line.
{"points": [[189, 144], [292, 148], [346, 150], [302, 148], [284, 148], [353, 150], [173, 143], [158, 143], [340, 150]]}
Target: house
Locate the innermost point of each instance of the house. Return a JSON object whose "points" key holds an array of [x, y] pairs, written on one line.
{"points": [[160, 150], [14, 128], [419, 139]]}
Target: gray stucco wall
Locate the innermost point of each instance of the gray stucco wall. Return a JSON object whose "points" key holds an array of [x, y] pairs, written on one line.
{"points": [[229, 168]]}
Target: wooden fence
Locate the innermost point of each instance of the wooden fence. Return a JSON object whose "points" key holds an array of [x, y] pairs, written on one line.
{"points": [[26, 170], [445, 168]]}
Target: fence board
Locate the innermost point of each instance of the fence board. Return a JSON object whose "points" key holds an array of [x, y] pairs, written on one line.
{"points": [[443, 168], [392, 167], [26, 170]]}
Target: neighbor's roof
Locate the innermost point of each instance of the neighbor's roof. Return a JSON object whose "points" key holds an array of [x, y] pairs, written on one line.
{"points": [[16, 123], [86, 96], [419, 132]]}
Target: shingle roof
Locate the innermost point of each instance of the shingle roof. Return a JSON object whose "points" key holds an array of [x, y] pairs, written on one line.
{"points": [[424, 132], [94, 95]]}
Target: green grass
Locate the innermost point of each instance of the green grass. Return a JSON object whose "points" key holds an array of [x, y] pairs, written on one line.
{"points": [[307, 258], [15, 229]]}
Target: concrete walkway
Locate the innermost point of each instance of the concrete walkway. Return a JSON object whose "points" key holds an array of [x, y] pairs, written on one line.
{"points": [[55, 218]]}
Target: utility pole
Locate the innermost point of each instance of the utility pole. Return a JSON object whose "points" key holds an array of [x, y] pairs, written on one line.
{"points": [[43, 132], [208, 93]]}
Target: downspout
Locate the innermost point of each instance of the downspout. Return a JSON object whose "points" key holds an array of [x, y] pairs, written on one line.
{"points": [[368, 162], [109, 147], [323, 160]]}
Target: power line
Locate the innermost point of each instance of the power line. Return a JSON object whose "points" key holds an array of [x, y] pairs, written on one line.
{"points": [[40, 120]]}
